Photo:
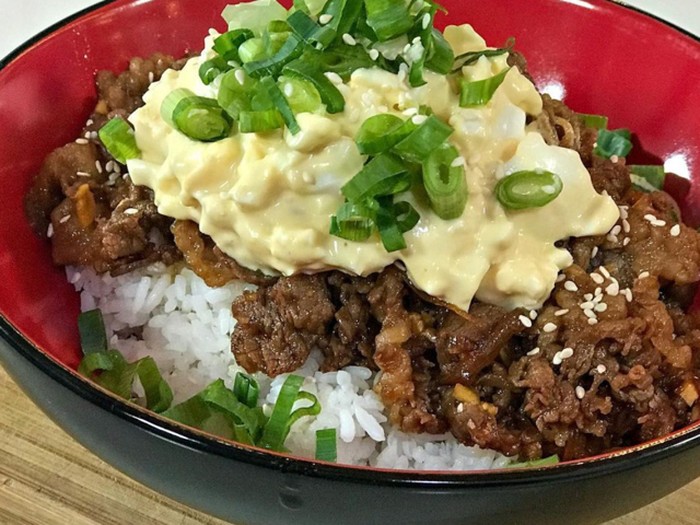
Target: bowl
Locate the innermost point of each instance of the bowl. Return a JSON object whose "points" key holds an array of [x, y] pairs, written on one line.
{"points": [[602, 57]]}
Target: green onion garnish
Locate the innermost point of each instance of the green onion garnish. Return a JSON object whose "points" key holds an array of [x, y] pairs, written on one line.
{"points": [[235, 96], [251, 50], [292, 48], [277, 98], [442, 56], [93, 336], [326, 445], [330, 95], [260, 121], [388, 18], [471, 57], [385, 174], [118, 137], [301, 94], [648, 178], [352, 221], [255, 16], [380, 133], [283, 416], [480, 92], [390, 232], [199, 118], [445, 182], [613, 143], [344, 15], [309, 31], [536, 463], [227, 45], [528, 189], [594, 121], [430, 134], [211, 69], [246, 389]]}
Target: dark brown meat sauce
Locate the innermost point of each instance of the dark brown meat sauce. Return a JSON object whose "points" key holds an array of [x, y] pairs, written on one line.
{"points": [[612, 358]]}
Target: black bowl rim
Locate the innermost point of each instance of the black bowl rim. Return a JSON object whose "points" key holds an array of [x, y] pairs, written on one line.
{"points": [[626, 459]]}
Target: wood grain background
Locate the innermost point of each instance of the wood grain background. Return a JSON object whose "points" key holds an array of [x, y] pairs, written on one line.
{"points": [[46, 478]]}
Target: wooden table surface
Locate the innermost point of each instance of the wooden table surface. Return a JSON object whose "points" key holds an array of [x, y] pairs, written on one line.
{"points": [[46, 478]]}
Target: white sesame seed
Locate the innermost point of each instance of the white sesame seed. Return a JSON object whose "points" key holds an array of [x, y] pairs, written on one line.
{"points": [[534, 351], [109, 165], [561, 312], [644, 275], [549, 327], [460, 408], [623, 212], [676, 230], [131, 211], [419, 119], [82, 174], [334, 77], [589, 313], [87, 135], [625, 241], [459, 161], [527, 323], [616, 229], [403, 73], [592, 321], [601, 307], [601, 369], [117, 168], [597, 278], [325, 19], [604, 271], [594, 251], [611, 238], [98, 166], [588, 296], [373, 54], [533, 314], [626, 225], [613, 289], [81, 141], [580, 392], [410, 112], [628, 294], [406, 48], [64, 219], [587, 305], [556, 360], [288, 90], [659, 223], [426, 21], [560, 277], [89, 122], [597, 292], [349, 39], [570, 286], [240, 76], [49, 231], [567, 352], [150, 76]]}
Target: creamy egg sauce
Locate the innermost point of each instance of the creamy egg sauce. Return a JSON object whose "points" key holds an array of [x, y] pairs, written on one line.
{"points": [[267, 199]]}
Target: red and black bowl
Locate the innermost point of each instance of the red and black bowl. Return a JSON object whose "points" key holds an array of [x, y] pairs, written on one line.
{"points": [[603, 58]]}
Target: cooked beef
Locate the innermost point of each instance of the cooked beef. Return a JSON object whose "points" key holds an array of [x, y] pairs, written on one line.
{"points": [[208, 261]]}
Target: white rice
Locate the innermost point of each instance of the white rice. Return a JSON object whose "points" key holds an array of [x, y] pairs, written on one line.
{"points": [[174, 317]]}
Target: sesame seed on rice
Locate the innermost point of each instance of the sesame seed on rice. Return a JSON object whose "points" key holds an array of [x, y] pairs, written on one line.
{"points": [[587, 305], [81, 141], [549, 327], [625, 241], [534, 351], [570, 286], [675, 230], [526, 322], [580, 392], [98, 166], [592, 321], [644, 275], [601, 369], [533, 314], [561, 312], [613, 289], [64, 219], [601, 307], [589, 313], [594, 251], [597, 278], [49, 231], [604, 271], [588, 296]]}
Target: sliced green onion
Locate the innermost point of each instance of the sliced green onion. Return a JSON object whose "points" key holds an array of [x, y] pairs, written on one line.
{"points": [[528, 189], [428, 136], [385, 174], [251, 50], [118, 137], [536, 463], [326, 445], [649, 178], [274, 42], [388, 18], [279, 26], [445, 183], [331, 96], [260, 121], [211, 69], [471, 57], [282, 417], [389, 230], [93, 336], [201, 118], [300, 5], [246, 389], [254, 16], [344, 15], [233, 96], [479, 92], [406, 216], [353, 222], [227, 45], [247, 421], [111, 371], [195, 412], [170, 103], [613, 143], [380, 133], [273, 91], [301, 94], [291, 49], [309, 31], [442, 56], [594, 121]]}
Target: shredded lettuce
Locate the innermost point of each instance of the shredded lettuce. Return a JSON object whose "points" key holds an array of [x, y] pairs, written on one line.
{"points": [[255, 15]]}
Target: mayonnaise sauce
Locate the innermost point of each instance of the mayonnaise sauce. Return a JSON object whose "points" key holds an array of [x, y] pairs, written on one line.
{"points": [[267, 199]]}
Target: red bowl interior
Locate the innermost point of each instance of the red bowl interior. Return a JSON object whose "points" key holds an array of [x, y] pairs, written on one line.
{"points": [[603, 57]]}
